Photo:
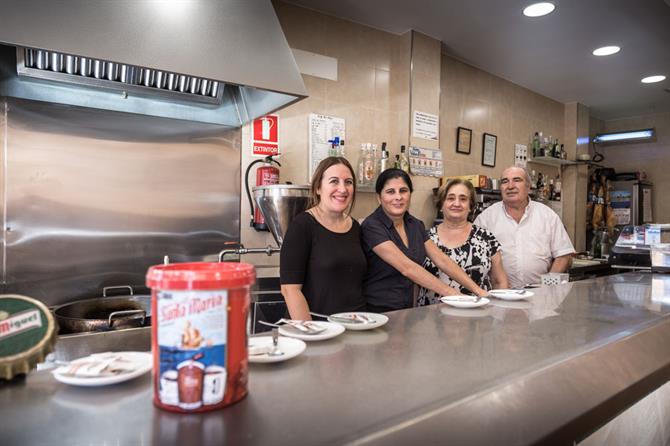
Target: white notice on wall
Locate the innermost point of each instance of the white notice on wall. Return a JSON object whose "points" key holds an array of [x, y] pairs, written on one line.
{"points": [[520, 155], [322, 129], [425, 125]]}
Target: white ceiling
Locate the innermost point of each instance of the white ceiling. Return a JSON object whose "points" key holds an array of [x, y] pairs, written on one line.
{"points": [[550, 55]]}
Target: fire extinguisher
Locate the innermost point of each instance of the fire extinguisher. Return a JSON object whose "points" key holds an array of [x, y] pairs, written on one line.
{"points": [[266, 175]]}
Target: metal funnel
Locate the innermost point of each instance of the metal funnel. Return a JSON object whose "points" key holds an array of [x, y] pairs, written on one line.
{"points": [[279, 203]]}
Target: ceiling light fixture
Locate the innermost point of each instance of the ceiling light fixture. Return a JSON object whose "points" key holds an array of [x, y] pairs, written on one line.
{"points": [[538, 9], [652, 79], [626, 136], [606, 50]]}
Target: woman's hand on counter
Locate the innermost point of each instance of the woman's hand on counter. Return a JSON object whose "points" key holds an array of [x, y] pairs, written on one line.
{"points": [[297, 305]]}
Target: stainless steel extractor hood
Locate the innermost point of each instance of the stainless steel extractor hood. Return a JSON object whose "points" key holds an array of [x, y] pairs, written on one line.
{"points": [[216, 61]]}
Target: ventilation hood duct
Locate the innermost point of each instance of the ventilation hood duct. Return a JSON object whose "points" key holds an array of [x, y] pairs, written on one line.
{"points": [[216, 61]]}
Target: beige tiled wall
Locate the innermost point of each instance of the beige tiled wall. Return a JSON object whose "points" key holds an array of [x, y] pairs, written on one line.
{"points": [[482, 102], [651, 157], [373, 95], [575, 178], [424, 97]]}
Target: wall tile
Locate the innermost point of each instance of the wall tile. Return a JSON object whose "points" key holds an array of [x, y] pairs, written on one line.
{"points": [[382, 100], [426, 55], [399, 88], [426, 92], [303, 28], [476, 114], [381, 45], [478, 84], [347, 41], [316, 87], [355, 85]]}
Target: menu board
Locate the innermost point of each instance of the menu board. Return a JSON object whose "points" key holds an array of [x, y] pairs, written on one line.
{"points": [[321, 129]]}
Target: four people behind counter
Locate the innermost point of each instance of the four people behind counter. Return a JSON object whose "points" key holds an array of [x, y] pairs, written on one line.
{"points": [[329, 263]]}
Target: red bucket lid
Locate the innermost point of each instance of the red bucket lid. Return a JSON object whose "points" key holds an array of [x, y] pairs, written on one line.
{"points": [[201, 276]]}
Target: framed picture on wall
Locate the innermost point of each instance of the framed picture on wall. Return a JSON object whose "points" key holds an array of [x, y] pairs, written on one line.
{"points": [[463, 140], [489, 150]]}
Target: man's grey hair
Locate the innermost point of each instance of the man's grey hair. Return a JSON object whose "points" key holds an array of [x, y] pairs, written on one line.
{"points": [[525, 173]]}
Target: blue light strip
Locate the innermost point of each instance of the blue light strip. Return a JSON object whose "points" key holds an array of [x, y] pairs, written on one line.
{"points": [[624, 136]]}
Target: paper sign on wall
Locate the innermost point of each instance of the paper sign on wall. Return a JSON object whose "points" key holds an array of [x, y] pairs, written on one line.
{"points": [[426, 162], [265, 139], [520, 155], [425, 125], [321, 129]]}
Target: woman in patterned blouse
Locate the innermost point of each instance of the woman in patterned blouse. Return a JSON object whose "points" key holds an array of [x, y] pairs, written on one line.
{"points": [[474, 249]]}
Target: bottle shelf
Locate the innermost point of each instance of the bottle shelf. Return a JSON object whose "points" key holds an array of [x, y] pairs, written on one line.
{"points": [[551, 161]]}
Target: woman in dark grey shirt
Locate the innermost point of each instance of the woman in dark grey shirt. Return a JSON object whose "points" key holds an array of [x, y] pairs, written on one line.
{"points": [[396, 245], [322, 263]]}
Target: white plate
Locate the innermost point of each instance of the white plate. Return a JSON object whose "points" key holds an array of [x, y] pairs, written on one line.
{"points": [[511, 294], [464, 301], [331, 330], [377, 320], [290, 347], [142, 362]]}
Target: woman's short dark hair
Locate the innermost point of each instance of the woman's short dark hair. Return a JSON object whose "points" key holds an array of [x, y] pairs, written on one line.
{"points": [[390, 174], [444, 191], [324, 165]]}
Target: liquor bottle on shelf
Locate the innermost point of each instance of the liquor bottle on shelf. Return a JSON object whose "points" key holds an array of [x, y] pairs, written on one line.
{"points": [[556, 150], [564, 154], [383, 161], [370, 165], [533, 180], [361, 164], [557, 188], [404, 160], [536, 145], [543, 146], [396, 163]]}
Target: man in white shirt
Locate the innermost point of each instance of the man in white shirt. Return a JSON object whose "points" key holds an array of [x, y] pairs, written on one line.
{"points": [[532, 236]]}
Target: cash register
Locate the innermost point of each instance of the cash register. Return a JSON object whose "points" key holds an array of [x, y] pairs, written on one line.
{"points": [[642, 248]]}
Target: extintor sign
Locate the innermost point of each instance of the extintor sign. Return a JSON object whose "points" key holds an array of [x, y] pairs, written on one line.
{"points": [[265, 139]]}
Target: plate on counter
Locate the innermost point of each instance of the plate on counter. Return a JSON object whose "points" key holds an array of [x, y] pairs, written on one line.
{"points": [[359, 320], [103, 369], [262, 345], [505, 294], [462, 301], [330, 331]]}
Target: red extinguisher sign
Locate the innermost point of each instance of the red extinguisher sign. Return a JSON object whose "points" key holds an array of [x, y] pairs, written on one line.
{"points": [[265, 139]]}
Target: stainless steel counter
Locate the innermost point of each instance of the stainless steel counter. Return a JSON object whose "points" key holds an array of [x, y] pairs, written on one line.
{"points": [[550, 370]]}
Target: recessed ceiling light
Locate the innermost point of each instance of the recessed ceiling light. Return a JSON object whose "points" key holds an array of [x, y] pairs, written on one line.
{"points": [[606, 51], [652, 79], [538, 9]]}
